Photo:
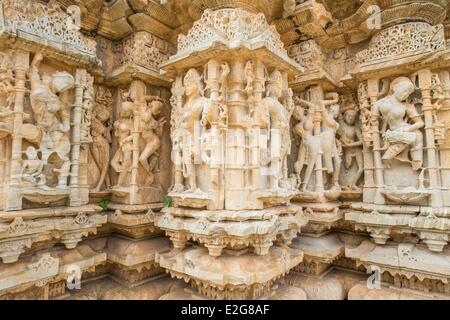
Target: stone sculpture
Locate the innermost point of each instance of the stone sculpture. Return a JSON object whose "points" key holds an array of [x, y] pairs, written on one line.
{"points": [[400, 136], [350, 137], [49, 103], [225, 143], [123, 128], [101, 137]]}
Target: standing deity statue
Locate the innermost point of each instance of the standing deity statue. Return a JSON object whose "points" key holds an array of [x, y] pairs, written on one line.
{"points": [[401, 125], [278, 127], [32, 168], [313, 145], [310, 145], [123, 129], [350, 137], [51, 108], [330, 145], [194, 118], [101, 136]]}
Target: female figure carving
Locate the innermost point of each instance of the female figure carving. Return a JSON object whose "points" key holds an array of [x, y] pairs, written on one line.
{"points": [[401, 124], [151, 128]]}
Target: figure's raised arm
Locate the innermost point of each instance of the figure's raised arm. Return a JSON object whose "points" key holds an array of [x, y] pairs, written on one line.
{"points": [[35, 78], [415, 117], [332, 98], [304, 103]]}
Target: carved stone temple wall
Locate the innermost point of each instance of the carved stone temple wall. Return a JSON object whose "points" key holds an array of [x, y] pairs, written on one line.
{"points": [[224, 149]]}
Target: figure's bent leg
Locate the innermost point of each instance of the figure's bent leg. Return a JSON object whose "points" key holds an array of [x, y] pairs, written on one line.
{"points": [[191, 177], [104, 168], [337, 164], [126, 166], [417, 151], [360, 163], [328, 159], [348, 159], [392, 151], [311, 163]]}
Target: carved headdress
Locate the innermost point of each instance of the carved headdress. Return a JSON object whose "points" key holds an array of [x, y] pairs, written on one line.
{"points": [[194, 76], [276, 79], [348, 103], [402, 80]]}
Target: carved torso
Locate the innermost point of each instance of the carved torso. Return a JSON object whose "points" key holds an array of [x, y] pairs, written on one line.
{"points": [[393, 111]]}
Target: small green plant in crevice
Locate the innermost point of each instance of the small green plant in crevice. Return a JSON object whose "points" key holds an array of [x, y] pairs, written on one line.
{"points": [[167, 201], [104, 204]]}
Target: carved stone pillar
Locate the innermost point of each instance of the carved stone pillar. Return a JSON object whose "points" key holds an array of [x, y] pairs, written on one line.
{"points": [[365, 116], [432, 165], [255, 133], [236, 194], [246, 93], [177, 93], [217, 136], [137, 92], [75, 197], [373, 92], [21, 65], [444, 149], [317, 95]]}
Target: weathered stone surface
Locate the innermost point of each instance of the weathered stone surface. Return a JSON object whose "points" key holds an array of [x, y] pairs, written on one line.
{"points": [[361, 292], [228, 143]]}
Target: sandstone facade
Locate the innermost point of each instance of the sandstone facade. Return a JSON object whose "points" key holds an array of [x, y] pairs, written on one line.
{"points": [[254, 149]]}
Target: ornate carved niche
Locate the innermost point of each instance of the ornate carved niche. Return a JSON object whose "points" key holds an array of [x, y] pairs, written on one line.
{"points": [[48, 133], [230, 128], [406, 134], [418, 39], [34, 24], [141, 145], [47, 136]]}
